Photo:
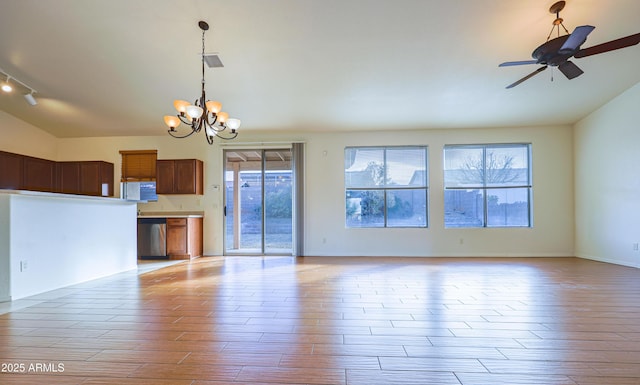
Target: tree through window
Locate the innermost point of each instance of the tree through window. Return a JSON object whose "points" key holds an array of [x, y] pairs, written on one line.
{"points": [[487, 185]]}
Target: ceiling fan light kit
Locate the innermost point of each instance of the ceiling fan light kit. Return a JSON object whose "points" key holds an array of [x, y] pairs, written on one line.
{"points": [[557, 52], [203, 113]]}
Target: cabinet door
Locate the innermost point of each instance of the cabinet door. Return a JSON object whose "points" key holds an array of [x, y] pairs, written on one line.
{"points": [[68, 177], [177, 238], [164, 176], [38, 174], [107, 177], [185, 176], [90, 178], [10, 171]]}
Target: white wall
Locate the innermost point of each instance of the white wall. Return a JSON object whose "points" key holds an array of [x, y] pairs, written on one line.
{"points": [[60, 241], [607, 159]]}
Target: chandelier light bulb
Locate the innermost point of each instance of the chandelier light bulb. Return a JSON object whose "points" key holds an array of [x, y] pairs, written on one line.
{"points": [[213, 106], [171, 121], [233, 124], [181, 105], [194, 112], [222, 117]]}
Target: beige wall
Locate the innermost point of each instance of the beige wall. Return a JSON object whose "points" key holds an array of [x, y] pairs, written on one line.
{"points": [[326, 235], [23, 138], [552, 234], [607, 180]]}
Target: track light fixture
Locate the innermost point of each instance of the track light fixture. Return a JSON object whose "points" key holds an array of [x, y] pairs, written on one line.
{"points": [[202, 113], [30, 99], [7, 86]]}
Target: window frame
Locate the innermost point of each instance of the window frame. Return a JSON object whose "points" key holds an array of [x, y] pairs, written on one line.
{"points": [[385, 188], [485, 187]]}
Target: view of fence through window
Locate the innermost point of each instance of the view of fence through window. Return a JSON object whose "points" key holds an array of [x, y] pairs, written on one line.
{"points": [[487, 185], [259, 202], [386, 186]]}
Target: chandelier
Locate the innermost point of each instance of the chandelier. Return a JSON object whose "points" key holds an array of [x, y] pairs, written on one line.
{"points": [[202, 113]]}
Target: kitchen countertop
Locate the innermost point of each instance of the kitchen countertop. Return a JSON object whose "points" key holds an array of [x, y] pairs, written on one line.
{"points": [[171, 214]]}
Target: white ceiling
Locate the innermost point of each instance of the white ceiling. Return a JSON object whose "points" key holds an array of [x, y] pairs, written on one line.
{"points": [[113, 67]]}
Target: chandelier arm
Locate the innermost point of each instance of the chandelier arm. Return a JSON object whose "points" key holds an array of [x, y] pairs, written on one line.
{"points": [[175, 135], [184, 120], [209, 138], [235, 134]]}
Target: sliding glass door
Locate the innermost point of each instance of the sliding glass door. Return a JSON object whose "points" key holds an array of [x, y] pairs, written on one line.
{"points": [[259, 202]]}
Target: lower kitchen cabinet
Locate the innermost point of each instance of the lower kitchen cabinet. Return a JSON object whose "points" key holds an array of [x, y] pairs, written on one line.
{"points": [[184, 238]]}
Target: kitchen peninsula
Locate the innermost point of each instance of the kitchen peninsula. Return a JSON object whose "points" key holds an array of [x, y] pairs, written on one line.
{"points": [[51, 240]]}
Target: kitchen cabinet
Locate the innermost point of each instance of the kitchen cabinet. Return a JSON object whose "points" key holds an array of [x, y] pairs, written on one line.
{"points": [[10, 171], [21, 172], [38, 174], [96, 178], [179, 176], [86, 178], [184, 238]]}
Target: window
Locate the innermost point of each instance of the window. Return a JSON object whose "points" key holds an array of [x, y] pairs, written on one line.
{"points": [[487, 185], [386, 186]]}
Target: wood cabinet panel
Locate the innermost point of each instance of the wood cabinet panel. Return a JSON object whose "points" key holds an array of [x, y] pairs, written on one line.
{"points": [[38, 174], [10, 171], [91, 178], [21, 172], [184, 238], [68, 177], [179, 176], [107, 175], [164, 176], [86, 178]]}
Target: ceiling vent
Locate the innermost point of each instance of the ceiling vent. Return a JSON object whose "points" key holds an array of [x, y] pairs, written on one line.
{"points": [[213, 61]]}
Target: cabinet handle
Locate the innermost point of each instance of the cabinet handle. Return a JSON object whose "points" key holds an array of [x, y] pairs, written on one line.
{"points": [[225, 210]]}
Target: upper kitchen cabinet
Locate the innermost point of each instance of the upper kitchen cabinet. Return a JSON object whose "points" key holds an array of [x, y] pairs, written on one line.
{"points": [[10, 171], [86, 178], [21, 172], [38, 174], [179, 176], [96, 178]]}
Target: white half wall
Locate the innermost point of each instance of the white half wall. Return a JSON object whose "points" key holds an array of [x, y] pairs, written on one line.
{"points": [[57, 240], [607, 180]]}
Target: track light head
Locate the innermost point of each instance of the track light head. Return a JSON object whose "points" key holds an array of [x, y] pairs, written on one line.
{"points": [[6, 86], [30, 99]]}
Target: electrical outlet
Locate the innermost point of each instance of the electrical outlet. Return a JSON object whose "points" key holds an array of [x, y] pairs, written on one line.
{"points": [[23, 266], [635, 247]]}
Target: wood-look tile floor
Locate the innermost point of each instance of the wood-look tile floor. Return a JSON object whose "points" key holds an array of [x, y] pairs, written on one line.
{"points": [[280, 320]]}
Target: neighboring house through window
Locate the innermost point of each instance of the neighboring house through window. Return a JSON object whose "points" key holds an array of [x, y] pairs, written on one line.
{"points": [[386, 186], [487, 185]]}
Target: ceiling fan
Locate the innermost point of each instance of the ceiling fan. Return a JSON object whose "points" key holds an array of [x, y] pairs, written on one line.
{"points": [[556, 52]]}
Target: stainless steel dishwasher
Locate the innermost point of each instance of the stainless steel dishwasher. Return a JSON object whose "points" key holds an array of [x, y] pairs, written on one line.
{"points": [[152, 238]]}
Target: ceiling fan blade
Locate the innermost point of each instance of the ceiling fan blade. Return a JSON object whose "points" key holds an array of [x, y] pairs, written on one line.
{"points": [[612, 45], [577, 37], [570, 70], [527, 77], [517, 63]]}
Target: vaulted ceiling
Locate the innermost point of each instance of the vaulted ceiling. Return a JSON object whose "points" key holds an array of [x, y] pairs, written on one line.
{"points": [[114, 67]]}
